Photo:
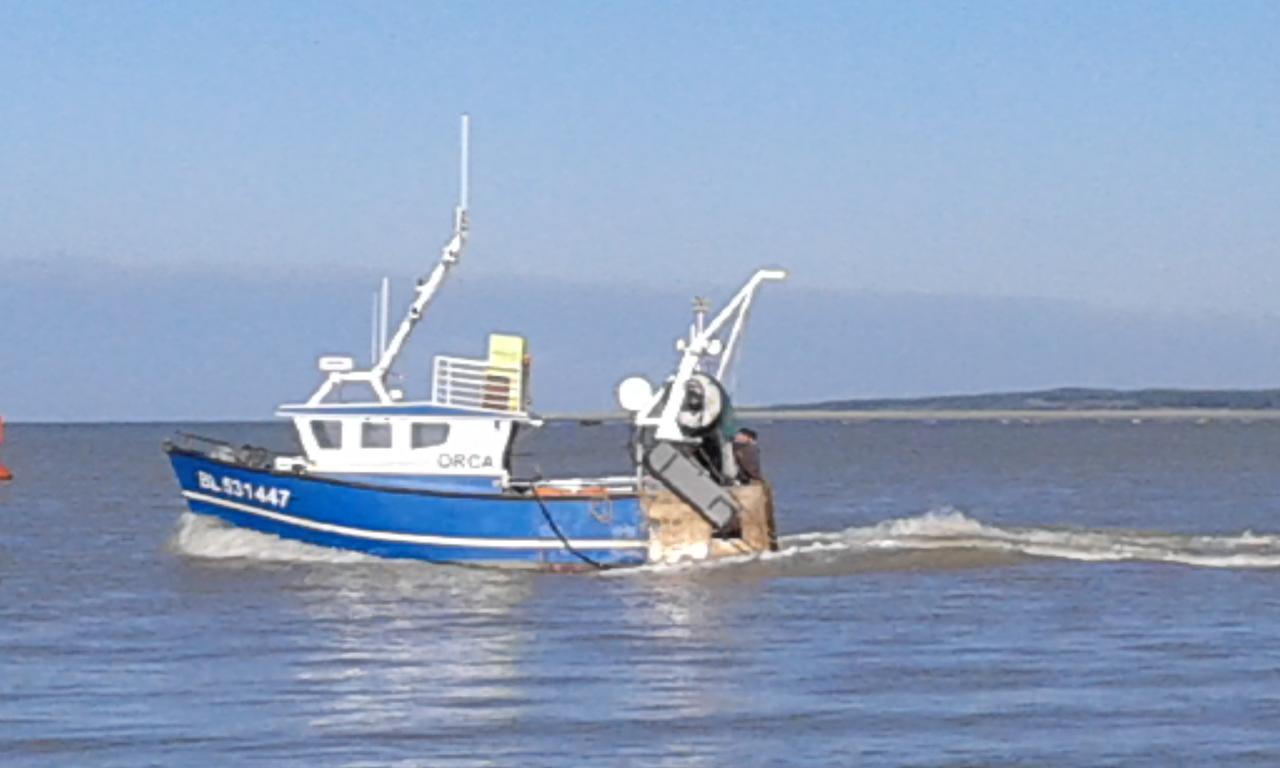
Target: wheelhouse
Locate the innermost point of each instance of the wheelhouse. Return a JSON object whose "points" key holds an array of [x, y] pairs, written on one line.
{"points": [[465, 430]]}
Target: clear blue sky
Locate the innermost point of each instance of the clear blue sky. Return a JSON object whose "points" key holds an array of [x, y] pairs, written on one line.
{"points": [[1121, 156]]}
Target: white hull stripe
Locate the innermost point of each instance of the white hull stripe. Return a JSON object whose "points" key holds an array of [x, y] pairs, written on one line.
{"points": [[417, 538]]}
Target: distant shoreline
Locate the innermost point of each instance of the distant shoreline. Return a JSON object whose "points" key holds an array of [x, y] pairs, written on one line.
{"points": [[1018, 415], [956, 414]]}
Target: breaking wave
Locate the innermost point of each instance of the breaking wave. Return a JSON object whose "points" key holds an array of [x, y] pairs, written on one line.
{"points": [[947, 538]]}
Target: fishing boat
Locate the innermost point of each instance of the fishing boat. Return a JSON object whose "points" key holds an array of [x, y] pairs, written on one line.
{"points": [[431, 479]]}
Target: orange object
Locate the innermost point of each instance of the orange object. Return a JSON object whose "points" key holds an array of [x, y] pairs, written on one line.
{"points": [[589, 491], [5, 474]]}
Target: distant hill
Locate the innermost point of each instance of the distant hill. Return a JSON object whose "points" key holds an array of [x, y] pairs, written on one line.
{"points": [[1064, 399]]}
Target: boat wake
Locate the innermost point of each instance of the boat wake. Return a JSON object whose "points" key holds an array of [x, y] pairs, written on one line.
{"points": [[947, 539], [206, 538], [937, 540]]}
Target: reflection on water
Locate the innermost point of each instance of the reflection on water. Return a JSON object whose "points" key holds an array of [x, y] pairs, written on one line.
{"points": [[413, 648]]}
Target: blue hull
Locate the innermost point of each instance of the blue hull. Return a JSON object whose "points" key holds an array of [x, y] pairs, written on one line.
{"points": [[479, 526]]}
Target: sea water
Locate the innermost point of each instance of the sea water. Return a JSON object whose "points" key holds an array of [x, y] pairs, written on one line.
{"points": [[949, 594]]}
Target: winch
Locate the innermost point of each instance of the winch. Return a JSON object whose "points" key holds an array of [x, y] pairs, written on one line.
{"points": [[683, 445]]}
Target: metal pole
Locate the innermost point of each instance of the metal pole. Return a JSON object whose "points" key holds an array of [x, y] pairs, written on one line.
{"points": [[386, 305], [464, 184], [373, 332]]}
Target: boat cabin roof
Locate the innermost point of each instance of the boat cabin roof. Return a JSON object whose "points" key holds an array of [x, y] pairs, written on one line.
{"points": [[405, 409]]}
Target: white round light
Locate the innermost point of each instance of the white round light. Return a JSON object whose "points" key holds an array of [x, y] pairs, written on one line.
{"points": [[635, 394]]}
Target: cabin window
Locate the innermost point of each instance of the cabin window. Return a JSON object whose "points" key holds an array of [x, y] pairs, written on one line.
{"points": [[328, 434], [375, 434], [429, 435]]}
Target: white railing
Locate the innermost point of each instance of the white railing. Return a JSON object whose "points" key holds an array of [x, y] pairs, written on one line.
{"points": [[478, 384]]}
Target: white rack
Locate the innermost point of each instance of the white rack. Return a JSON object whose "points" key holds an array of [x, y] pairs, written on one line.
{"points": [[470, 383]]}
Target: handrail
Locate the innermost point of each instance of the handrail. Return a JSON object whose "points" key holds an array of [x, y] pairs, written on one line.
{"points": [[471, 383]]}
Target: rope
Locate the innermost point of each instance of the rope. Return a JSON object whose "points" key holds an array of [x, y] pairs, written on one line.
{"points": [[546, 514]]}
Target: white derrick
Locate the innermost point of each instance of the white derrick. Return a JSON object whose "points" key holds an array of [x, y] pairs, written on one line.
{"points": [[425, 291], [704, 342]]}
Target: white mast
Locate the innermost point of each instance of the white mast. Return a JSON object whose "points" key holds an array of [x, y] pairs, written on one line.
{"points": [[382, 317], [700, 309], [373, 332], [464, 170]]}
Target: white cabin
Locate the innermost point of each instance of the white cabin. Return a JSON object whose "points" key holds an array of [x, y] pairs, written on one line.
{"points": [[464, 431]]}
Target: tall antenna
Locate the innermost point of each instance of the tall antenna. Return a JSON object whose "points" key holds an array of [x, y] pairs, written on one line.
{"points": [[373, 333], [464, 177], [383, 319]]}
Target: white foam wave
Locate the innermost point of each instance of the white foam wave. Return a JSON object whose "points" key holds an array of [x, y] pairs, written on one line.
{"points": [[953, 529], [208, 538], [941, 533], [952, 532]]}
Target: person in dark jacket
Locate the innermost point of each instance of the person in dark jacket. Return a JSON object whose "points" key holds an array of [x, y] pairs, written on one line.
{"points": [[746, 454]]}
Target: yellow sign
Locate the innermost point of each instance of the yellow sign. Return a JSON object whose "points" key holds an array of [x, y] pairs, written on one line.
{"points": [[507, 355], [506, 351]]}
